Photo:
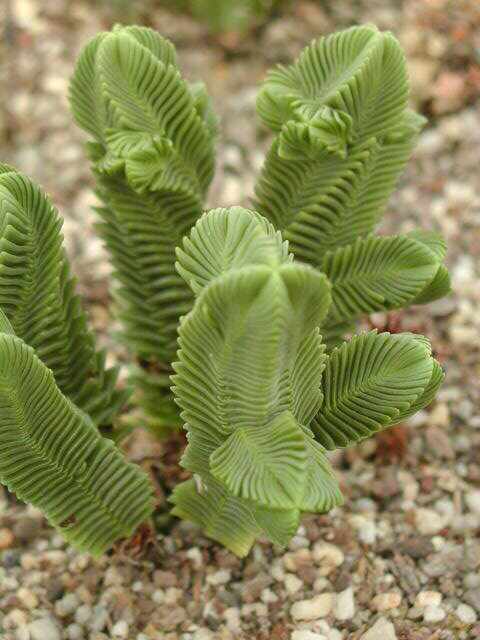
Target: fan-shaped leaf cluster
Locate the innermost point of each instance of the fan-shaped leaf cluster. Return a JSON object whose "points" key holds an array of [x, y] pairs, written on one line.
{"points": [[247, 380], [53, 456], [258, 406], [152, 154], [344, 135], [37, 293]]}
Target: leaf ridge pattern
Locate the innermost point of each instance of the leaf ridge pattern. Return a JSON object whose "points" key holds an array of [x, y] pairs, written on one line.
{"points": [[249, 367], [53, 456], [37, 292], [153, 159]]}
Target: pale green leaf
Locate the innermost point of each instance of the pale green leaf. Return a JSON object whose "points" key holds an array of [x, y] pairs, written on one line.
{"points": [[368, 383], [53, 457], [220, 515], [264, 464], [377, 273], [37, 293]]}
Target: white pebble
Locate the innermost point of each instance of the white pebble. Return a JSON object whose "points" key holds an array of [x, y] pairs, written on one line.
{"points": [[432, 613], [83, 614], [22, 633], [120, 629], [318, 607], [44, 629], [367, 533], [158, 596], [472, 498], [429, 521], [304, 634], [328, 556], [381, 630], [292, 583], [268, 596], [345, 605], [219, 577], [195, 555], [15, 618], [298, 542], [386, 601], [366, 528], [112, 577], [172, 595], [466, 614], [232, 619], [27, 597], [428, 598], [67, 605], [321, 584], [277, 571], [74, 632]]}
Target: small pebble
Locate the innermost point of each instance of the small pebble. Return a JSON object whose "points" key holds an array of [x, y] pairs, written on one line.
{"points": [[99, 618], [345, 605], [292, 583], [466, 614], [429, 521], [83, 614], [428, 598], [383, 629], [44, 629], [6, 539], [294, 560], [14, 619], [318, 607], [195, 555], [232, 619], [67, 605], [432, 613], [219, 577], [75, 632], [472, 499], [386, 601], [328, 557], [268, 596], [28, 598], [120, 629], [304, 634]]}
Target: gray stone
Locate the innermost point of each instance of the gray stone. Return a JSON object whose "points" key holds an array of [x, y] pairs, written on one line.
{"points": [[472, 597], [381, 630], [44, 629]]}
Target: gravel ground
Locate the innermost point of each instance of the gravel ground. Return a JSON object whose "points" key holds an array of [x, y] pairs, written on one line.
{"points": [[401, 559]]}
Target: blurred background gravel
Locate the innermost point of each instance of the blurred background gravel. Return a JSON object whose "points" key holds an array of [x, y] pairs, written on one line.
{"points": [[402, 558]]}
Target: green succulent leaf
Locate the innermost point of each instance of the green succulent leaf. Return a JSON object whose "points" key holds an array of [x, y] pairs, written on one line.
{"points": [[266, 466], [228, 239], [37, 293], [377, 273], [148, 95], [322, 492], [369, 383], [344, 137], [153, 159], [249, 370], [315, 131], [360, 71], [277, 525], [53, 456], [221, 516], [440, 285]]}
